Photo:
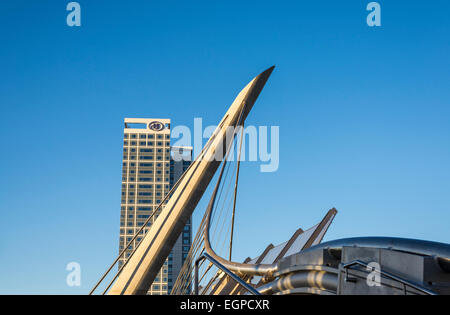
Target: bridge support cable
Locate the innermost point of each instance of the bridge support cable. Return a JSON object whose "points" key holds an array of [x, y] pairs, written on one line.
{"points": [[219, 215], [239, 268], [235, 191]]}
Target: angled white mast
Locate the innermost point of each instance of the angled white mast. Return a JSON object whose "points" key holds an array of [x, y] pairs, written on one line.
{"points": [[143, 266]]}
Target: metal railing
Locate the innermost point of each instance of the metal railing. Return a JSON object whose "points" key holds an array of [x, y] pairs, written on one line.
{"points": [[233, 276], [405, 282]]}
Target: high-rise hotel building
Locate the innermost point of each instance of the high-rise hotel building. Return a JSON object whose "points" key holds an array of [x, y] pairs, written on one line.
{"points": [[150, 168]]}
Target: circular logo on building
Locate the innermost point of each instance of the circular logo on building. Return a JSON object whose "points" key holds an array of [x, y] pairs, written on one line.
{"points": [[156, 126]]}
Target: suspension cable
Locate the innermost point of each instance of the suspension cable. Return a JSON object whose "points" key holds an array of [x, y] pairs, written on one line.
{"points": [[235, 191]]}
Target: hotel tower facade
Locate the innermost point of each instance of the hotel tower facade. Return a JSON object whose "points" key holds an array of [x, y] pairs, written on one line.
{"points": [[150, 168]]}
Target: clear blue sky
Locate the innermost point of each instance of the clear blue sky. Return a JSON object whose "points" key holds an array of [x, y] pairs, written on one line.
{"points": [[364, 116]]}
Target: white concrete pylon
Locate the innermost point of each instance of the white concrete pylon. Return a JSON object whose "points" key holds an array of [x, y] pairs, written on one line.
{"points": [[143, 266]]}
